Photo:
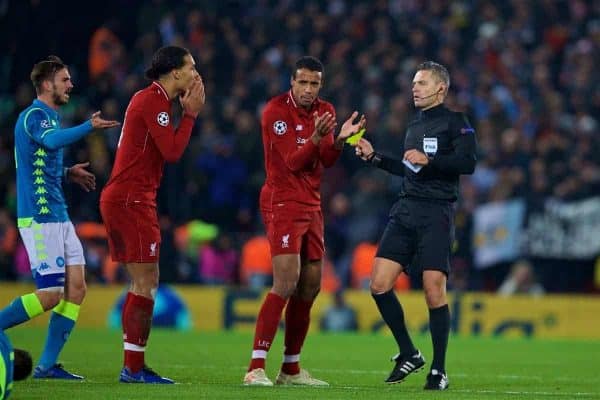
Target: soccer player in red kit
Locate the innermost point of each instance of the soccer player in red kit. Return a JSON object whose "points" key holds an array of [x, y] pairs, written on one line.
{"points": [[128, 201], [297, 132]]}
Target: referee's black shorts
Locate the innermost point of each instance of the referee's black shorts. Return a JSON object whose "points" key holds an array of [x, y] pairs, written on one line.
{"points": [[419, 235]]}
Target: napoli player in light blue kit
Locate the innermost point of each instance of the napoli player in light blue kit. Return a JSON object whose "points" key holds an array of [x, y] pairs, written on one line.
{"points": [[54, 250], [15, 365]]}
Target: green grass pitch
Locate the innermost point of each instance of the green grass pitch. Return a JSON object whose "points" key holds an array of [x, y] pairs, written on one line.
{"points": [[211, 366]]}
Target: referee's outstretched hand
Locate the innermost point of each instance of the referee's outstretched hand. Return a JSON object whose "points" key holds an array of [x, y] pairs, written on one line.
{"points": [[364, 149]]}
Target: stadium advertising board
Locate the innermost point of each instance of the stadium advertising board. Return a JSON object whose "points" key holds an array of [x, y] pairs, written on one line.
{"points": [[216, 308]]}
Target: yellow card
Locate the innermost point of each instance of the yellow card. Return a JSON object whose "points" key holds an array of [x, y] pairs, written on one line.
{"points": [[354, 139]]}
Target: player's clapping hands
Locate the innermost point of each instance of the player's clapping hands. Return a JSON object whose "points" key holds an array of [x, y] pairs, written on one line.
{"points": [[193, 99], [324, 123], [100, 123], [349, 128], [79, 175]]}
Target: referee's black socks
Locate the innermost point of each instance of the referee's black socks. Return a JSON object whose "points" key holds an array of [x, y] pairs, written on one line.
{"points": [[393, 315], [439, 326]]}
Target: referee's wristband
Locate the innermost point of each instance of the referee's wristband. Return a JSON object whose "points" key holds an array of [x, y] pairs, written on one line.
{"points": [[374, 158], [66, 173]]}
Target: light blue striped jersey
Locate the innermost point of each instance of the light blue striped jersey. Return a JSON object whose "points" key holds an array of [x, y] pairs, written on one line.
{"points": [[6, 366], [39, 166]]}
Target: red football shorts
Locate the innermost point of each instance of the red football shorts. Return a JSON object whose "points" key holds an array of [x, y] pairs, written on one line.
{"points": [[133, 232], [296, 233]]}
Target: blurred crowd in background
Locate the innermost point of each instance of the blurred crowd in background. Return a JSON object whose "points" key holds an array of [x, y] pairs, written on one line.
{"points": [[525, 72]]}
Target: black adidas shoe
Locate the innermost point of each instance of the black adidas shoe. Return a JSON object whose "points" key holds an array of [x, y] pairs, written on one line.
{"points": [[436, 380], [405, 365]]}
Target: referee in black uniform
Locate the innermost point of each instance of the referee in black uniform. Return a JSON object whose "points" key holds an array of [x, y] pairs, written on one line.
{"points": [[439, 146]]}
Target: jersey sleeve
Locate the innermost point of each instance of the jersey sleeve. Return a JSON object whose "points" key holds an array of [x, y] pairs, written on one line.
{"points": [[389, 164], [328, 154], [463, 158], [39, 127], [170, 142], [283, 140]]}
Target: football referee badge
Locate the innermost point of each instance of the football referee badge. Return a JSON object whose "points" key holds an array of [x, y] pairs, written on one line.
{"points": [[279, 127], [430, 146], [162, 118]]}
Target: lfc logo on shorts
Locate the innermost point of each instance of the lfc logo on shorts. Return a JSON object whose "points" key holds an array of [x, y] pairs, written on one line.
{"points": [[285, 241], [153, 249]]}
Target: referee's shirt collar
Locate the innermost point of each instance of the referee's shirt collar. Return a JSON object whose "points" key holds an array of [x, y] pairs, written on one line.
{"points": [[432, 112]]}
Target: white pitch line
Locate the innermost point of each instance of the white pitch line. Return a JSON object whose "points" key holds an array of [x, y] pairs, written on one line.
{"points": [[461, 375], [457, 374], [520, 377], [350, 371], [508, 392], [517, 393]]}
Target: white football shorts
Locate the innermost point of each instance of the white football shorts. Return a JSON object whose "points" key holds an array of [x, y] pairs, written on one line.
{"points": [[51, 246]]}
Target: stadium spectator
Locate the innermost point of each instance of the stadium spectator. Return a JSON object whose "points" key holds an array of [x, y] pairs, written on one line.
{"points": [[218, 262], [521, 280], [255, 263], [525, 66], [337, 219], [298, 137], [8, 244], [330, 283], [128, 201], [227, 174], [93, 240], [55, 254], [440, 145], [22, 267], [339, 317], [106, 54], [362, 261]]}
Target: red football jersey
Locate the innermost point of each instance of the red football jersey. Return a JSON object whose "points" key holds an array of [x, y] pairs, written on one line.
{"points": [[293, 163], [148, 139]]}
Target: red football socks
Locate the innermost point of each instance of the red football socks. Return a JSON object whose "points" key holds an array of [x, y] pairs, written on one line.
{"points": [[266, 328], [137, 320], [297, 321], [124, 310]]}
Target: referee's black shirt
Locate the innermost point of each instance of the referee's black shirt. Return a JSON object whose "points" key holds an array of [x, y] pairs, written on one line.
{"points": [[448, 139]]}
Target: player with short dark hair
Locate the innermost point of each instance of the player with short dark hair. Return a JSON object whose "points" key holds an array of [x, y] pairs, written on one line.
{"points": [[440, 146], [128, 201], [298, 139], [54, 250], [307, 63]]}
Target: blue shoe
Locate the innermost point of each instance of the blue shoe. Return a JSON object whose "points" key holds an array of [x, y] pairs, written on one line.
{"points": [[146, 375], [55, 372]]}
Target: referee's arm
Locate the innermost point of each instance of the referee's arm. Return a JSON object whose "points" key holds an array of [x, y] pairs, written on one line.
{"points": [[390, 164], [365, 150], [464, 156]]}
